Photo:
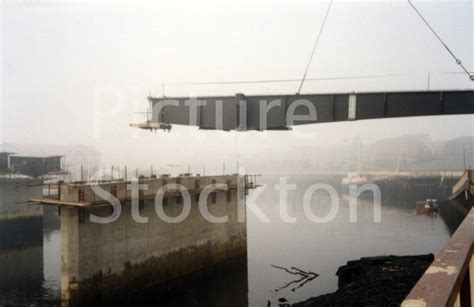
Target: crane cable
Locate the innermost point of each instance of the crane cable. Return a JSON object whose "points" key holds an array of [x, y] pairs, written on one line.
{"points": [[458, 61], [314, 47]]}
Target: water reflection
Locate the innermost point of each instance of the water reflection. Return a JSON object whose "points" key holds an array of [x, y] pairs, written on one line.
{"points": [[21, 259], [223, 285], [30, 262]]}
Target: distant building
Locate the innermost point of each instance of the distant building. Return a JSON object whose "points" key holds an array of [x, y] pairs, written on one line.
{"points": [[4, 162], [412, 147], [35, 166]]}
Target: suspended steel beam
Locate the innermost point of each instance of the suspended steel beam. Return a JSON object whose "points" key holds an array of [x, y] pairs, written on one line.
{"points": [[281, 112]]}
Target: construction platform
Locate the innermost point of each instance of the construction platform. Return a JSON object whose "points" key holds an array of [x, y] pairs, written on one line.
{"points": [[81, 194]]}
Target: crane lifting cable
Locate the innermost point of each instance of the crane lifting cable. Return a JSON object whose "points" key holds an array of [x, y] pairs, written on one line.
{"points": [[314, 47], [458, 61]]}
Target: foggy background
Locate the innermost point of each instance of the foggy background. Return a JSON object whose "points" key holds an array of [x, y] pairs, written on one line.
{"points": [[74, 76]]}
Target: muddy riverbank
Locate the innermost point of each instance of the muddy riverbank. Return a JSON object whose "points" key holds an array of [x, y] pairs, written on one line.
{"points": [[374, 281]]}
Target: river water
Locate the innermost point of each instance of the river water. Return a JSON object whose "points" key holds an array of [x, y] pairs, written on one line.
{"points": [[30, 275]]}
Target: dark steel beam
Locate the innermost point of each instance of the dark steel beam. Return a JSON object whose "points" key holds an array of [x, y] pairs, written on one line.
{"points": [[271, 112]]}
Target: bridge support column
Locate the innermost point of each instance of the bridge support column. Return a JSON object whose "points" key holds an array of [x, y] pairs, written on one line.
{"points": [[108, 262]]}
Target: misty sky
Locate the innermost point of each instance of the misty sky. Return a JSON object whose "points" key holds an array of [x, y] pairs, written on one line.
{"points": [[60, 60]]}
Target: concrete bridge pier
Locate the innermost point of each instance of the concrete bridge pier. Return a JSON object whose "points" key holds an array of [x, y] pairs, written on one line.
{"points": [[110, 262]]}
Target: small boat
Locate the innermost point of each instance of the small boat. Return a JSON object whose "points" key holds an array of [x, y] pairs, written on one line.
{"points": [[356, 179], [428, 206]]}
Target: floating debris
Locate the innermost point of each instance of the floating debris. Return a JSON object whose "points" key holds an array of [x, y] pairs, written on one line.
{"points": [[304, 277]]}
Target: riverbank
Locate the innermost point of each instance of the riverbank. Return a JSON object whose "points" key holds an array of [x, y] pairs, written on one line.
{"points": [[374, 281]]}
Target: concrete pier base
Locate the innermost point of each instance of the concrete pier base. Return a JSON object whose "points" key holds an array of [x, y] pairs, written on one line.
{"points": [[107, 262]]}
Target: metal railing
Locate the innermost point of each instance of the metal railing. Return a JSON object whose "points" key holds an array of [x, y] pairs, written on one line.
{"points": [[449, 281]]}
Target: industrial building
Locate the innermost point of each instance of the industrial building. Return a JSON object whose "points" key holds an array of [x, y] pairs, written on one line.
{"points": [[33, 166]]}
